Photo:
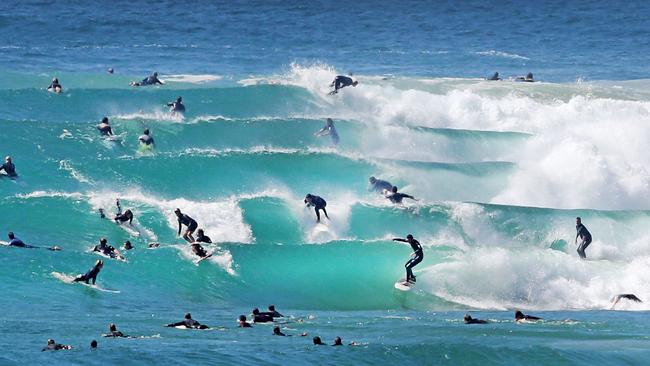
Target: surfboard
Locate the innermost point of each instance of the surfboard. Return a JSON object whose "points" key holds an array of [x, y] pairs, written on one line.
{"points": [[55, 90], [129, 228], [119, 257], [204, 258], [402, 285], [70, 280]]}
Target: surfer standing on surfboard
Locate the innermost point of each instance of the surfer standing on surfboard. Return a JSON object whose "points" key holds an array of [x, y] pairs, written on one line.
{"points": [[417, 256], [91, 274], [318, 203]]}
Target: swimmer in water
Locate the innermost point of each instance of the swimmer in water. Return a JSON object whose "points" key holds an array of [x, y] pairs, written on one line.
{"points": [[177, 106], [243, 323], [105, 128], [189, 323], [93, 344], [55, 86], [417, 256], [469, 320], [396, 197], [318, 203], [278, 332], [128, 245], [341, 82], [91, 274], [114, 333], [191, 224], [494, 77], [337, 341], [317, 341], [53, 346], [146, 139], [9, 167], [519, 317], [261, 317], [149, 80], [378, 185], [202, 238], [618, 298], [122, 217], [329, 129]]}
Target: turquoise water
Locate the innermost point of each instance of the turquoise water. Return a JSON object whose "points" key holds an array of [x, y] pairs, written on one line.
{"points": [[500, 171]]}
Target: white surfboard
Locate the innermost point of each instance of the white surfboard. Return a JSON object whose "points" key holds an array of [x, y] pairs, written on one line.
{"points": [[403, 285], [204, 258], [70, 280]]}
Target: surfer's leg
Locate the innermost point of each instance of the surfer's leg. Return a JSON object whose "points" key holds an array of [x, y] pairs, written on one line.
{"points": [[409, 272], [317, 214], [325, 212]]}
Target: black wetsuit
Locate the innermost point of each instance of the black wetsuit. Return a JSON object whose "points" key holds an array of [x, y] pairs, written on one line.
{"points": [[177, 107], [149, 80], [273, 314], [187, 221], [115, 334], [146, 139], [319, 204], [398, 197], [199, 250], [9, 168], [341, 82], [105, 129], [90, 275], [475, 321], [189, 323], [54, 86], [55, 347], [108, 250], [124, 217], [262, 318], [419, 255], [380, 186], [585, 236], [203, 239], [15, 242]]}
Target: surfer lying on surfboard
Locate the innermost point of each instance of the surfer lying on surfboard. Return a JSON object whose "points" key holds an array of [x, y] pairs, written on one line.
{"points": [[189, 323], [417, 256]]}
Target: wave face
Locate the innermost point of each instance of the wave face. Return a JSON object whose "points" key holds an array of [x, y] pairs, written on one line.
{"points": [[500, 171]]}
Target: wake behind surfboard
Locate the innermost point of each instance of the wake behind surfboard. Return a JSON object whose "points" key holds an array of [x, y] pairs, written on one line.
{"points": [[65, 278]]}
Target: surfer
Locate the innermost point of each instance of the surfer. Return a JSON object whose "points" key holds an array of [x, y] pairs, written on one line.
{"points": [[55, 86], [91, 274], [149, 80], [243, 323], [494, 77], [528, 78], [519, 316], [341, 82], [337, 341], [396, 197], [318, 203], [93, 344], [114, 333], [379, 185], [618, 298], [317, 341], [53, 346], [105, 128], [261, 317], [469, 320], [329, 129], [585, 238], [202, 238], [107, 250], [273, 313], [128, 245], [122, 217], [417, 255], [177, 106], [145, 138], [184, 219], [9, 167], [15, 242], [189, 323], [278, 332]]}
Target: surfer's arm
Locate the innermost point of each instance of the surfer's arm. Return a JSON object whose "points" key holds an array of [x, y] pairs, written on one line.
{"points": [[180, 226], [175, 324], [400, 239]]}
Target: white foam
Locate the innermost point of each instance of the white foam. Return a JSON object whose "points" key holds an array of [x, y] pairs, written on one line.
{"points": [[194, 79], [502, 54]]}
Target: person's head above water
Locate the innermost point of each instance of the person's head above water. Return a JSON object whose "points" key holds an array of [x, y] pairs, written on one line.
{"points": [[467, 317], [372, 180], [317, 340], [8, 159], [529, 75], [146, 131], [256, 311], [11, 235], [155, 74], [105, 120], [276, 330], [578, 220], [338, 341], [179, 99], [103, 241], [409, 237], [50, 341], [519, 315], [93, 344], [110, 70], [200, 232], [55, 80], [394, 190], [242, 318], [188, 316], [99, 263], [112, 327], [271, 307]]}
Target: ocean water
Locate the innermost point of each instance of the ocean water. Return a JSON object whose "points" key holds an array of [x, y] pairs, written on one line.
{"points": [[500, 170]]}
